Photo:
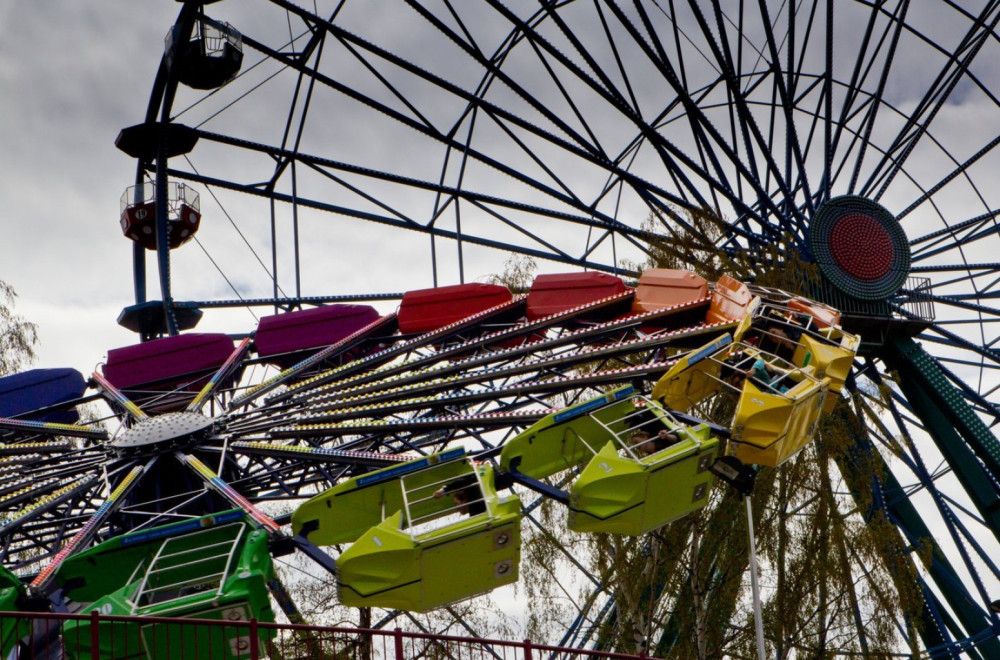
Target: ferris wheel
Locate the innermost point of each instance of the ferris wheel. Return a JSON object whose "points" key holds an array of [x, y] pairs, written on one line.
{"points": [[336, 154]]}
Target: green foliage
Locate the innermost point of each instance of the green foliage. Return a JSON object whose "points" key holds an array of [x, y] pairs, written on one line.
{"points": [[17, 336], [518, 273]]}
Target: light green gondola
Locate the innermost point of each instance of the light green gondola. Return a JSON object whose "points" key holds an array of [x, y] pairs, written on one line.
{"points": [[346, 511], [620, 489], [391, 567], [570, 437], [413, 550]]}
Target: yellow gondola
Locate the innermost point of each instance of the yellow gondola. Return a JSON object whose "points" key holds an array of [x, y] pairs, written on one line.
{"points": [[776, 418], [776, 413], [745, 323], [807, 338], [831, 360], [694, 377]]}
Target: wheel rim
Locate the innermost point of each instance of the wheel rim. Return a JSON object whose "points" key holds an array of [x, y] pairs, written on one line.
{"points": [[765, 130]]}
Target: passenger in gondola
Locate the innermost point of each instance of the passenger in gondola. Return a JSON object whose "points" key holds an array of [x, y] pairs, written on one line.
{"points": [[780, 334], [466, 494], [740, 366], [645, 444], [733, 371], [769, 375]]}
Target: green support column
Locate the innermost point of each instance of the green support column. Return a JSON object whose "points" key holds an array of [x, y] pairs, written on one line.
{"points": [[919, 370], [901, 511], [971, 450]]}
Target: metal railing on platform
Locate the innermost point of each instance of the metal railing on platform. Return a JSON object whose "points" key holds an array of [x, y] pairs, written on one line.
{"points": [[45, 636], [913, 303]]}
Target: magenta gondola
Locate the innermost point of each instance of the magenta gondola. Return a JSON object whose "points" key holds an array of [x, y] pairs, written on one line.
{"points": [[153, 368], [282, 339]]}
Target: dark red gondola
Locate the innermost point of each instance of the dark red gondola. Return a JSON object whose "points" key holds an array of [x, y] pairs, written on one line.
{"points": [[138, 214]]}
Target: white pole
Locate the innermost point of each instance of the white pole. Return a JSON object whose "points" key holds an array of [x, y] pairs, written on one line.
{"points": [[759, 621]]}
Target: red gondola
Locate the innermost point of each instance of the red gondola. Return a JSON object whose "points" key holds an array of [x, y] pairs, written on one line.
{"points": [[552, 294], [426, 310]]}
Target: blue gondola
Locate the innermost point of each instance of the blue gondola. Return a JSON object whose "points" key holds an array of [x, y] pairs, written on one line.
{"points": [[42, 390]]}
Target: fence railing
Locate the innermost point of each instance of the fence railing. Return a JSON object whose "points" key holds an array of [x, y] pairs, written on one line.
{"points": [[915, 302], [45, 636]]}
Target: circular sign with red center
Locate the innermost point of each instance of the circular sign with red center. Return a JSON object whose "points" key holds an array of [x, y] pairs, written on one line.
{"points": [[860, 247]]}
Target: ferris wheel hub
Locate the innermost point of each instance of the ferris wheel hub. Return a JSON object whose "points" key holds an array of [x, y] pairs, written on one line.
{"points": [[162, 432], [860, 247]]}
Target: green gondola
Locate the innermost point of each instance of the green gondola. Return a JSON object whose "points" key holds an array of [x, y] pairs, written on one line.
{"points": [[627, 485], [410, 533], [11, 630], [215, 567]]}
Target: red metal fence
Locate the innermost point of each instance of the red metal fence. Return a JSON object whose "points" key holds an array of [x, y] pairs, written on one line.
{"points": [[43, 636]]}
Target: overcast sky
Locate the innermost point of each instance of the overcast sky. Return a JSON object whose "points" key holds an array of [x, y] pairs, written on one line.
{"points": [[73, 74]]}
